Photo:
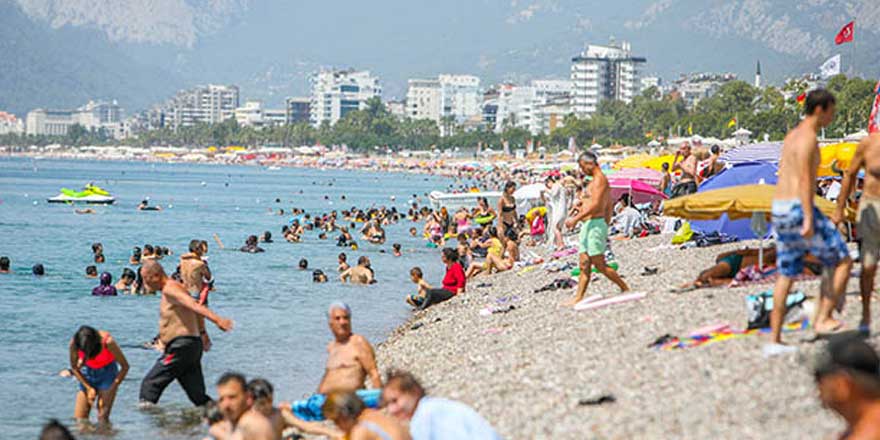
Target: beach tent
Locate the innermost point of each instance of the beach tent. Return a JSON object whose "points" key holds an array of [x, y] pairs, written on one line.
{"points": [[737, 202], [639, 192], [742, 174], [646, 175], [763, 152]]}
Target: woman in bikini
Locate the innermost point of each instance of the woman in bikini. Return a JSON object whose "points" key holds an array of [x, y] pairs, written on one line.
{"points": [[507, 213]]}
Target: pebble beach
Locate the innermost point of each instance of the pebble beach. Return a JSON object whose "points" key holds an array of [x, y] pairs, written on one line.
{"points": [[543, 371]]}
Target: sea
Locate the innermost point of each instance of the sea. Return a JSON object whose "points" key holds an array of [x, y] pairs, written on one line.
{"points": [[280, 330]]}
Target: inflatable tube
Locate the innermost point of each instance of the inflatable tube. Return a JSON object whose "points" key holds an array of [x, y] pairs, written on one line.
{"points": [[484, 220], [310, 409], [542, 211]]}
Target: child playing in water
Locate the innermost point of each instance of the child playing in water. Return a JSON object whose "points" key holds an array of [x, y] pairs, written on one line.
{"points": [[416, 276]]}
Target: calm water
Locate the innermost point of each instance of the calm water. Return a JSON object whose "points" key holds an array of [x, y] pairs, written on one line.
{"points": [[280, 331]]}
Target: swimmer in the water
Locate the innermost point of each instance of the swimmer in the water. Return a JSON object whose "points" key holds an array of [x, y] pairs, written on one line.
{"points": [[84, 211], [145, 206], [98, 252], [343, 262], [266, 237], [4, 264], [360, 274], [38, 270], [125, 284], [413, 232], [395, 249], [135, 256], [250, 245], [91, 272], [318, 276], [303, 264]]}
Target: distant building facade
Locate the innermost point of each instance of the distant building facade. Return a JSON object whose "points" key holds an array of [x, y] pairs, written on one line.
{"points": [[698, 86], [95, 115], [538, 107], [604, 72], [449, 96], [298, 110], [335, 93], [209, 104], [252, 114], [9, 124]]}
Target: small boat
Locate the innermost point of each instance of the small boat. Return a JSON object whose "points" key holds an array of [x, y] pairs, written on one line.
{"points": [[90, 194], [453, 201]]}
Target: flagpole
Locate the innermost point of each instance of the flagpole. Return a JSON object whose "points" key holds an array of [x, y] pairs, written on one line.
{"points": [[853, 50]]}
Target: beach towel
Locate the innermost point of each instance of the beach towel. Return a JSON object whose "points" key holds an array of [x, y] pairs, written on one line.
{"points": [[752, 276], [669, 342]]}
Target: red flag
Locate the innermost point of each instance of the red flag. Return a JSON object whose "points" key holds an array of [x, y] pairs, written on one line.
{"points": [[801, 98], [846, 34], [874, 120]]}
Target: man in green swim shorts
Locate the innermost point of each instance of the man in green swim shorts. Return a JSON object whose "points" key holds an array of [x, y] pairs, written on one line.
{"points": [[595, 213]]}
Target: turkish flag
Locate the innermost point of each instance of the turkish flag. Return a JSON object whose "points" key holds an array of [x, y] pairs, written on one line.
{"points": [[846, 34]]}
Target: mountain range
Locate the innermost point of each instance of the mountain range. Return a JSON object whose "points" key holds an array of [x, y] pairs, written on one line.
{"points": [[60, 53]]}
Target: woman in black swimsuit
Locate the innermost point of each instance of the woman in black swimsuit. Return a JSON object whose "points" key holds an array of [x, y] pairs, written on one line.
{"points": [[507, 213]]}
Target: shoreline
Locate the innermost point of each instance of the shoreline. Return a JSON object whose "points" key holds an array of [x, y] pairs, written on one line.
{"points": [[529, 371]]}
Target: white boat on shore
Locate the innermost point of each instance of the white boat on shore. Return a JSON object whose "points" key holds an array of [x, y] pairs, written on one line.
{"points": [[453, 201]]}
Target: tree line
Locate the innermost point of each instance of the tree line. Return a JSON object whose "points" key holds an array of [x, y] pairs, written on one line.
{"points": [[648, 116]]}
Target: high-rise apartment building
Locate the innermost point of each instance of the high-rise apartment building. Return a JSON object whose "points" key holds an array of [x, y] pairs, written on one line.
{"points": [[209, 104], [538, 107], [297, 110], [335, 93], [604, 72], [449, 96]]}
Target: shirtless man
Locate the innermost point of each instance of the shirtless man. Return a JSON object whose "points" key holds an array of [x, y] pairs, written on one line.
{"points": [[350, 357], [798, 227], [687, 184], [867, 156], [179, 331], [848, 384], [595, 213], [237, 406], [360, 274]]}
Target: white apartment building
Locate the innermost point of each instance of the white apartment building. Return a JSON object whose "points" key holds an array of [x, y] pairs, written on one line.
{"points": [[604, 72], [250, 115], [337, 92], [9, 124], [538, 107], [456, 96], [95, 115], [209, 104]]}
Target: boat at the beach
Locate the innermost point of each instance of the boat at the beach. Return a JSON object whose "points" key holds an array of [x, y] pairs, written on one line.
{"points": [[90, 194], [454, 201]]}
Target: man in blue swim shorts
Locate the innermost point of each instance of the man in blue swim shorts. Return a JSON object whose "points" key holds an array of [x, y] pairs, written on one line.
{"points": [[799, 228]]}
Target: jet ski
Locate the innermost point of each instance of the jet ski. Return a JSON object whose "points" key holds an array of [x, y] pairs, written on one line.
{"points": [[89, 194]]}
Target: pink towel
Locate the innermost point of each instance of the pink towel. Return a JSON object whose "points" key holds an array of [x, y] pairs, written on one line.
{"points": [[609, 301]]}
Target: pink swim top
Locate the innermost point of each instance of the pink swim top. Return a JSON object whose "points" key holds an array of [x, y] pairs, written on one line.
{"points": [[104, 358]]}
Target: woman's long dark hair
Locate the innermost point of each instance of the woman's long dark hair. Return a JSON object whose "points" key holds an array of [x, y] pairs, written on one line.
{"points": [[88, 341], [450, 254]]}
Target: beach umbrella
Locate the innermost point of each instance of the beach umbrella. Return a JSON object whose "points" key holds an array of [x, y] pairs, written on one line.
{"points": [[639, 192], [646, 175], [634, 161], [656, 163], [763, 152], [529, 192], [835, 155], [737, 202], [742, 174]]}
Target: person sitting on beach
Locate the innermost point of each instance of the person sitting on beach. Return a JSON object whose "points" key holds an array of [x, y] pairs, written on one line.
{"points": [[342, 261], [97, 362], [91, 271], [4, 264], [494, 256], [352, 416], [350, 357], [454, 282], [431, 418], [250, 245], [126, 282], [360, 274], [237, 406], [282, 418], [847, 379], [418, 298], [106, 287], [465, 256]]}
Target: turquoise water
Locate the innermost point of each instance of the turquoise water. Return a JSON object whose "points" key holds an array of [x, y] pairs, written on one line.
{"points": [[281, 331]]}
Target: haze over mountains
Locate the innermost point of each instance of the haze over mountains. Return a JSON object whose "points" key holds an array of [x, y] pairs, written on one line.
{"points": [[59, 53]]}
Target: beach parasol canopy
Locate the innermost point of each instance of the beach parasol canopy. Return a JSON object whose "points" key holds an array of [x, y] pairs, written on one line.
{"points": [[529, 192], [839, 155], [737, 202], [646, 175], [763, 152], [639, 192], [741, 174], [633, 161]]}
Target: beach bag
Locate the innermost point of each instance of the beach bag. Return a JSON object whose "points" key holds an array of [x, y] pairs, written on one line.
{"points": [[758, 307], [537, 226], [684, 234]]}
